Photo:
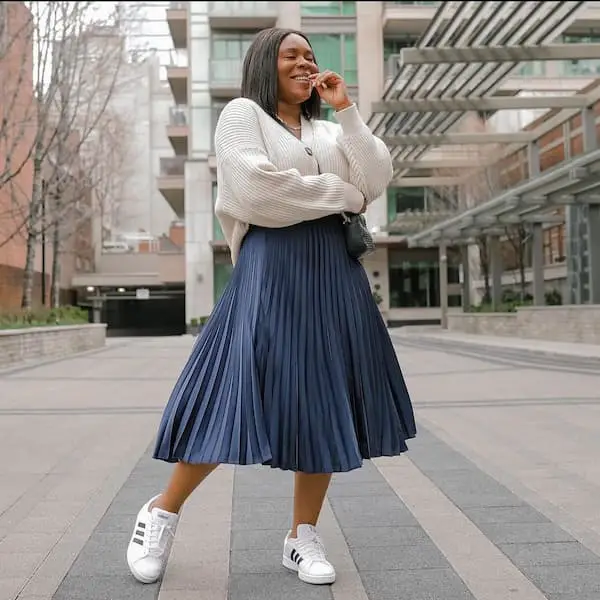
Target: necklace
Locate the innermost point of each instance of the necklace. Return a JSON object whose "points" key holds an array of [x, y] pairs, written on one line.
{"points": [[294, 128]]}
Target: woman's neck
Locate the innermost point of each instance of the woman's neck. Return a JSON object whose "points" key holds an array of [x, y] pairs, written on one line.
{"points": [[289, 113]]}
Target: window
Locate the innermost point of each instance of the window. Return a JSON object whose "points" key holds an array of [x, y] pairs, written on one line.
{"points": [[583, 67], [395, 46], [414, 279], [403, 199], [338, 53], [227, 54], [328, 9], [222, 269], [531, 69]]}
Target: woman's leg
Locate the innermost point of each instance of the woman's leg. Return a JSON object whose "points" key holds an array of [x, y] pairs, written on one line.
{"points": [[184, 480], [309, 494]]}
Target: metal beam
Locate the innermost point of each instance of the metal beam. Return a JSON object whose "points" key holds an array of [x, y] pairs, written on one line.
{"points": [[498, 54], [558, 178], [457, 139], [442, 163], [404, 182], [481, 104]]}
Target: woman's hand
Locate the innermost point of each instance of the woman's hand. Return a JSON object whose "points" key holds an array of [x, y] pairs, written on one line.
{"points": [[331, 88]]}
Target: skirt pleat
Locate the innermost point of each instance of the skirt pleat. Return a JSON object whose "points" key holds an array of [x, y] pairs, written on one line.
{"points": [[295, 368]]}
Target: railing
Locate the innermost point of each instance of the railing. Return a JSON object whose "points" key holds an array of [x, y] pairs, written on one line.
{"points": [[235, 9], [178, 58], [226, 71], [178, 115], [173, 166], [415, 3]]}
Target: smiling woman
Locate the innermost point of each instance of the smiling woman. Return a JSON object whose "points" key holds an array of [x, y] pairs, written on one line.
{"points": [[294, 368]]}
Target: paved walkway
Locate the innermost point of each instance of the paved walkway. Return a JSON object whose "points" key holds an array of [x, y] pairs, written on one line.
{"points": [[497, 500]]}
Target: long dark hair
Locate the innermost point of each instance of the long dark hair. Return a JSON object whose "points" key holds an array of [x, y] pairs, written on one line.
{"points": [[259, 76]]}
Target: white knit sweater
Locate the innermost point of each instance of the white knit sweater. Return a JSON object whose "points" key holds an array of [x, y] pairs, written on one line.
{"points": [[267, 177]]}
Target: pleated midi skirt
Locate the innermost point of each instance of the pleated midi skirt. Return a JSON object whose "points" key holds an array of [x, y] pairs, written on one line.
{"points": [[294, 368]]}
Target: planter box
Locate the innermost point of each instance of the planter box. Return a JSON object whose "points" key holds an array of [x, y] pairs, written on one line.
{"points": [[194, 329], [569, 323], [22, 346]]}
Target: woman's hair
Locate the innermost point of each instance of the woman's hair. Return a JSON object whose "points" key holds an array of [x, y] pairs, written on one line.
{"points": [[260, 78]]}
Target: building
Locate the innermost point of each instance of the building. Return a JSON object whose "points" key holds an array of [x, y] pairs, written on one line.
{"points": [[362, 41], [18, 128]]}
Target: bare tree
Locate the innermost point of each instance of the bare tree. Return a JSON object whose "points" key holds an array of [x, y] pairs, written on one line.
{"points": [[77, 60], [91, 187]]}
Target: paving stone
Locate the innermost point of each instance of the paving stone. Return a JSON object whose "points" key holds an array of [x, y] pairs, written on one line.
{"points": [[352, 489], [271, 586], [39, 542], [563, 579], [105, 587], [266, 513], [257, 539], [399, 558], [524, 533], [268, 560], [505, 514], [370, 511], [551, 553], [369, 537], [422, 584]]}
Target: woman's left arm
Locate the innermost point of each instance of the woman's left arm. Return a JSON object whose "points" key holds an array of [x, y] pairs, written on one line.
{"points": [[369, 159]]}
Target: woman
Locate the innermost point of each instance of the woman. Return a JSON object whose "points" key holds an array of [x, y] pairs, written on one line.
{"points": [[295, 368]]}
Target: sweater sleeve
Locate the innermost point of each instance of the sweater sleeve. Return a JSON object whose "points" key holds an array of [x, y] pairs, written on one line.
{"points": [[369, 159], [259, 193]]}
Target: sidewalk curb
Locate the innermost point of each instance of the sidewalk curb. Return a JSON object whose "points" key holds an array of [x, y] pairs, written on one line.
{"points": [[25, 366]]}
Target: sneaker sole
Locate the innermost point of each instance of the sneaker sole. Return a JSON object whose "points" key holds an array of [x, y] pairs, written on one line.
{"points": [[139, 577], [288, 563]]}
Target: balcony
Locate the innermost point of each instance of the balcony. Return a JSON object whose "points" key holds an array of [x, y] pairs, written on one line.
{"points": [[242, 15], [134, 270], [171, 183], [225, 77], [178, 129], [177, 20], [407, 17], [178, 74]]}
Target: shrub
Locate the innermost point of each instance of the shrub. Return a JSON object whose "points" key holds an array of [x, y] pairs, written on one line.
{"points": [[43, 317]]}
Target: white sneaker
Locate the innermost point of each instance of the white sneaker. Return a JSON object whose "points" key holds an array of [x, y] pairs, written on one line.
{"points": [[150, 543], [306, 555]]}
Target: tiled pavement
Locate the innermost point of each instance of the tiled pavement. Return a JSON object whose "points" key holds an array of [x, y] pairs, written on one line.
{"points": [[497, 499]]}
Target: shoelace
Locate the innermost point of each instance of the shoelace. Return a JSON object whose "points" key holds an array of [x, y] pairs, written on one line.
{"points": [[312, 548], [155, 534]]}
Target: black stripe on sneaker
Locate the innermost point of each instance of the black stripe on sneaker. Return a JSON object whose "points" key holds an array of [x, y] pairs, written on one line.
{"points": [[139, 532], [296, 557], [138, 541], [141, 525]]}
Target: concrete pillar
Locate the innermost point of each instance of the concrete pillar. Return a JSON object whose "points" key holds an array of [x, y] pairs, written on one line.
{"points": [[443, 285], [369, 57], [538, 265], [495, 258], [466, 282], [594, 252]]}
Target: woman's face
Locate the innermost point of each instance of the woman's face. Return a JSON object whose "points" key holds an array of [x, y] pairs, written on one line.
{"points": [[295, 63]]}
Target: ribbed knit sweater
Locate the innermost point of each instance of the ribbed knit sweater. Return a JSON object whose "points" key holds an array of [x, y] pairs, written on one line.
{"points": [[268, 177]]}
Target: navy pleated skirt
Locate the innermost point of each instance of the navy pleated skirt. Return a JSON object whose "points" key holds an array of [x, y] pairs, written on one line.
{"points": [[295, 368]]}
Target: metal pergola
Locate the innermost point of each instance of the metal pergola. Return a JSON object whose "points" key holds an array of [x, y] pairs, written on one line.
{"points": [[457, 67], [458, 64]]}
